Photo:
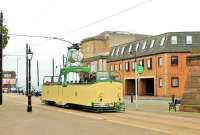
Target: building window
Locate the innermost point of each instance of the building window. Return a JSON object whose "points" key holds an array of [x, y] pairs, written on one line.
{"points": [[174, 60], [144, 45], [122, 51], [6, 75], [116, 67], [175, 82], [88, 49], [130, 48], [100, 65], [162, 41], [160, 82], [94, 66], [111, 68], [141, 62], [173, 40], [113, 51], [120, 67], [152, 43], [137, 45], [133, 65], [160, 61], [127, 66], [117, 52], [149, 63], [188, 39]]}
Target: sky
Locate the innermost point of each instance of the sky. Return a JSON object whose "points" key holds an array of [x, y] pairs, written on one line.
{"points": [[75, 20]]}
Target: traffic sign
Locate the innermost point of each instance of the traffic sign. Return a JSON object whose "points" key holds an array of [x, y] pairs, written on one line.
{"points": [[140, 69]]}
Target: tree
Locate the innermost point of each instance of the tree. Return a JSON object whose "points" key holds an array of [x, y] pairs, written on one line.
{"points": [[5, 37]]}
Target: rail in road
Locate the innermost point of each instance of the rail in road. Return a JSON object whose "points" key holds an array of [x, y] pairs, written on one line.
{"points": [[173, 125]]}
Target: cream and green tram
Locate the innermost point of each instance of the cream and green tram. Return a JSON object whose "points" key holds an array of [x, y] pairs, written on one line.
{"points": [[95, 91]]}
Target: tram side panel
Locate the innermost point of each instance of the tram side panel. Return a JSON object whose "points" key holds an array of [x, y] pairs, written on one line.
{"points": [[93, 93], [104, 93]]}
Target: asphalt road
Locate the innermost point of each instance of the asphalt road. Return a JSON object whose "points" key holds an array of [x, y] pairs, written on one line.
{"points": [[50, 120]]}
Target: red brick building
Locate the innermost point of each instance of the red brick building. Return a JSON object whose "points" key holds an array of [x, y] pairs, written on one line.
{"points": [[163, 58]]}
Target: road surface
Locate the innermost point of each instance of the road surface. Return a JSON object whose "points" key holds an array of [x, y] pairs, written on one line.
{"points": [[51, 120]]}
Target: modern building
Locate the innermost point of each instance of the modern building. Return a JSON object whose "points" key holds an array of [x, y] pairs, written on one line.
{"points": [[163, 58], [96, 49]]}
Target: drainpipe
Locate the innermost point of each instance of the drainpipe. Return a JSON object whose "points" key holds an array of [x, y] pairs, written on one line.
{"points": [[166, 73]]}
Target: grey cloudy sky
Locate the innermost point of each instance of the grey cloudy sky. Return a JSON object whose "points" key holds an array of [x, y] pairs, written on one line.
{"points": [[60, 17]]}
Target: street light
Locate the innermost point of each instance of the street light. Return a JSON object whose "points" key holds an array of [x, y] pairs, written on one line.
{"points": [[135, 66], [29, 56], [1, 53], [136, 78]]}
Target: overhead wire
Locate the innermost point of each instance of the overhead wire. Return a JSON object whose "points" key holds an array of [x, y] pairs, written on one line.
{"points": [[28, 36], [84, 26], [107, 17]]}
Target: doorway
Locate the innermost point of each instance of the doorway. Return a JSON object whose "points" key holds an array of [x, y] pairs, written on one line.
{"points": [[149, 86], [129, 86]]}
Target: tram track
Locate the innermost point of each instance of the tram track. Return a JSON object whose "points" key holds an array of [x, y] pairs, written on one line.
{"points": [[173, 125], [156, 124], [163, 120]]}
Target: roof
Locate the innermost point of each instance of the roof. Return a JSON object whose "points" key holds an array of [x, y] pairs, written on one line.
{"points": [[75, 69], [106, 34], [152, 45], [94, 58]]}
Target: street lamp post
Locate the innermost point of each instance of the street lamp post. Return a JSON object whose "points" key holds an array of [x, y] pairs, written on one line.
{"points": [[26, 93], [29, 56], [1, 55], [136, 82], [38, 78], [135, 66], [17, 78], [64, 60]]}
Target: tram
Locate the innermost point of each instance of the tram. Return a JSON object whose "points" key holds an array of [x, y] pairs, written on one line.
{"points": [[95, 91]]}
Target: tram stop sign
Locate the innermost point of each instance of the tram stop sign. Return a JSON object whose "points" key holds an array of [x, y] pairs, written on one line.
{"points": [[140, 69]]}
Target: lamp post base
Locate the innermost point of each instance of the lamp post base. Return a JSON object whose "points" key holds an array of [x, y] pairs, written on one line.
{"points": [[131, 98], [29, 109]]}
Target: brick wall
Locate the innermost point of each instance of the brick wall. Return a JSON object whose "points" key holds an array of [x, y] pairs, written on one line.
{"points": [[165, 72]]}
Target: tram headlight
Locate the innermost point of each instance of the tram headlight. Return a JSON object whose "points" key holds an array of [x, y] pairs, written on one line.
{"points": [[119, 97], [100, 99], [100, 96]]}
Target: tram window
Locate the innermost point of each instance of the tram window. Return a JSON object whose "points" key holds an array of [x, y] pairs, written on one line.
{"points": [[101, 76], [62, 79], [73, 77], [56, 79], [47, 80], [50, 80]]}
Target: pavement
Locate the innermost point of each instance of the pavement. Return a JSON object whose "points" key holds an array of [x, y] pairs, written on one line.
{"points": [[158, 105], [50, 120]]}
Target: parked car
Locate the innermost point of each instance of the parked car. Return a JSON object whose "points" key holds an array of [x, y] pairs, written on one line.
{"points": [[5, 90], [21, 90], [37, 93], [34, 92], [13, 90]]}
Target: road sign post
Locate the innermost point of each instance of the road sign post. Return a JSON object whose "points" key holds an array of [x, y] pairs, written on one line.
{"points": [[138, 70]]}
